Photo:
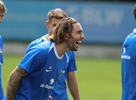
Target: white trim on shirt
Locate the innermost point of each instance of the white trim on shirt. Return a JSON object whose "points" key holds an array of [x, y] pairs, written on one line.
{"points": [[134, 31]]}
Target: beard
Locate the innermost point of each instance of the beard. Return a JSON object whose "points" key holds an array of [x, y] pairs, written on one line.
{"points": [[71, 44]]}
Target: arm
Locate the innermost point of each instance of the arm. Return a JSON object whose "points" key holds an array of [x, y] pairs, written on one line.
{"points": [[13, 82], [72, 85]]}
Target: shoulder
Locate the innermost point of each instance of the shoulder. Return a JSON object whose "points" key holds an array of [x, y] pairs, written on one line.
{"points": [[43, 46], [39, 51], [38, 40], [131, 37], [35, 41], [0, 37]]}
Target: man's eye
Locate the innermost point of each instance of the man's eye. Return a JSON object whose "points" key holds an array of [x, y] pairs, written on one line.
{"points": [[54, 25], [79, 32]]}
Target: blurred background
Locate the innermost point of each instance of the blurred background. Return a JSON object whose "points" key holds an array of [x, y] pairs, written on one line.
{"points": [[105, 24]]}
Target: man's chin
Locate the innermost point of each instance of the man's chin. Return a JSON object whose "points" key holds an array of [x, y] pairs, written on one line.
{"points": [[75, 49]]}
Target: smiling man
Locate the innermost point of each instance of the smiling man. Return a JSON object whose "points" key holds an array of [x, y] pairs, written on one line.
{"points": [[30, 80], [60, 89]]}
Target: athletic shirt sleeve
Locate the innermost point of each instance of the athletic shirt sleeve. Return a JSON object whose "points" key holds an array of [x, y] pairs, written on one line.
{"points": [[33, 59], [72, 64], [33, 43], [1, 49]]}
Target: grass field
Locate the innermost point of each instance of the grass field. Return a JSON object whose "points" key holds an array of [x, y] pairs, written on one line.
{"points": [[98, 79]]}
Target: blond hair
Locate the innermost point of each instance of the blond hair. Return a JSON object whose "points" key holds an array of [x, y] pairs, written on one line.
{"points": [[134, 11], [56, 13], [64, 27], [3, 8]]}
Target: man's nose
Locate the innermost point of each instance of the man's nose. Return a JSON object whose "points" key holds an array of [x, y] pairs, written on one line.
{"points": [[83, 36]]}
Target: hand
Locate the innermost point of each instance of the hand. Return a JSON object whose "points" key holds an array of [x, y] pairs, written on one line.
{"points": [[49, 98]]}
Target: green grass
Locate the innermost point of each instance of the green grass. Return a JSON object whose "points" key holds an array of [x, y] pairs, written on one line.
{"points": [[98, 79]]}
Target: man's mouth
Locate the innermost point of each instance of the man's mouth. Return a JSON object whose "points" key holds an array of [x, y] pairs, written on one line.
{"points": [[78, 42]]}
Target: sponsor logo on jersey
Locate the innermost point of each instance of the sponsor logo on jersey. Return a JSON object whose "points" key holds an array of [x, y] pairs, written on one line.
{"points": [[48, 86], [123, 56], [49, 70]]}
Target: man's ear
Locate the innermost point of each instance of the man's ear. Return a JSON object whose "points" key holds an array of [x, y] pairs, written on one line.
{"points": [[47, 24], [66, 36]]}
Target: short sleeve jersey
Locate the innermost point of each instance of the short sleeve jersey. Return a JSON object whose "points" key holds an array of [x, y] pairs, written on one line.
{"points": [[128, 67], [59, 90], [44, 67]]}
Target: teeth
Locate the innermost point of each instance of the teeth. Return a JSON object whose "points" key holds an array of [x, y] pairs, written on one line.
{"points": [[79, 41]]}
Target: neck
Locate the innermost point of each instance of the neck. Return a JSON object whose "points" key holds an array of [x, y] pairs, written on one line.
{"points": [[61, 48]]}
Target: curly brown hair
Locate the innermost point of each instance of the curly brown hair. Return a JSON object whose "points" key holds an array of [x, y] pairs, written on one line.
{"points": [[64, 27]]}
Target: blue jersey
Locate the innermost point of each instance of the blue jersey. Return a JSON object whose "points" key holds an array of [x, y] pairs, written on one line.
{"points": [[128, 67], [59, 92], [1, 61], [44, 66]]}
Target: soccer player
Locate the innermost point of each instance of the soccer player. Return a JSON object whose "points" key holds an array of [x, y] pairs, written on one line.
{"points": [[128, 65], [42, 65], [3, 10], [60, 91]]}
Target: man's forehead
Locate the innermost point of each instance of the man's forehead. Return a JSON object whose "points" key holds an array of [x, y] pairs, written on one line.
{"points": [[55, 20], [77, 26]]}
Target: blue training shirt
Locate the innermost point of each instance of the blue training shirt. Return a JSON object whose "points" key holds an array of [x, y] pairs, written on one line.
{"points": [[128, 67], [44, 67], [1, 61], [59, 92]]}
